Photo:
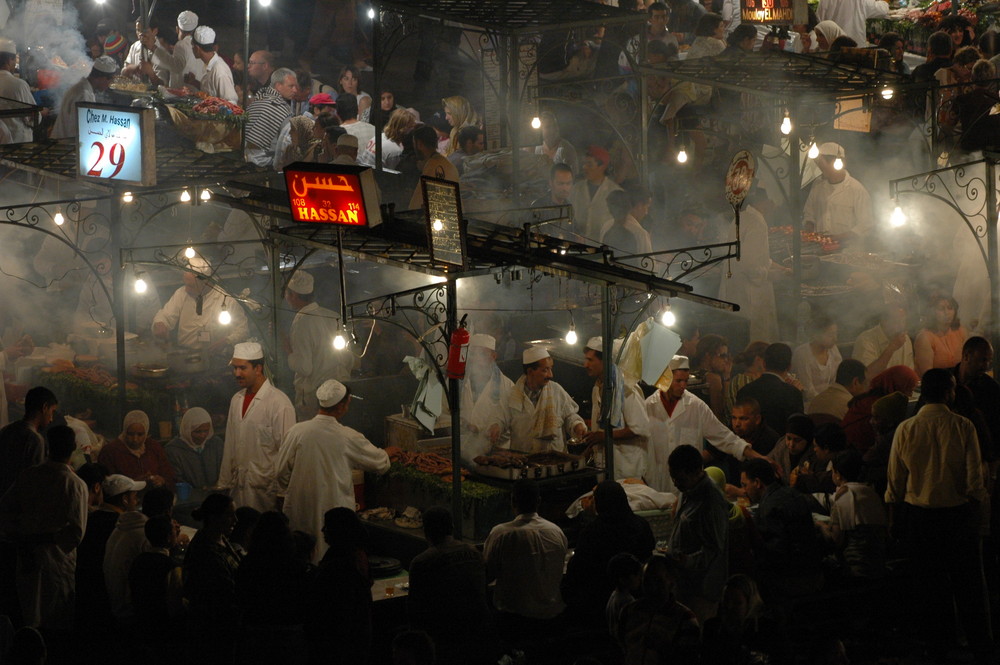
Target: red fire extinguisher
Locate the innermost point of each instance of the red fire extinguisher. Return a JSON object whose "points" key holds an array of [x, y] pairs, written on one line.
{"points": [[458, 350]]}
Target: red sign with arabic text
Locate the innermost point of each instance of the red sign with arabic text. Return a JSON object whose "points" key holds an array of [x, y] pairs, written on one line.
{"points": [[327, 196]]}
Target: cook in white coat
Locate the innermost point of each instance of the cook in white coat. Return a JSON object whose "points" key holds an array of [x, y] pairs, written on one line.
{"points": [[98, 80], [317, 457], [837, 204], [12, 87], [590, 195], [539, 413], [485, 390], [259, 417], [676, 417], [310, 345], [218, 78], [182, 60], [852, 16], [628, 414]]}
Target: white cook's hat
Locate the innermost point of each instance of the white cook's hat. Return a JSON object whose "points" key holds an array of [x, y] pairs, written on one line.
{"points": [[116, 484], [595, 344], [204, 35], [105, 64], [301, 283], [7, 46], [187, 20], [534, 354], [832, 149], [248, 351], [679, 362], [484, 341], [199, 265], [330, 393]]}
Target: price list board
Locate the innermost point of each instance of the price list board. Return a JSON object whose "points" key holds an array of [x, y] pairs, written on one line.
{"points": [[445, 230], [116, 143]]}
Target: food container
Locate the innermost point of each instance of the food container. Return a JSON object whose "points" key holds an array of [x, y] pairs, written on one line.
{"points": [[185, 361], [150, 370]]}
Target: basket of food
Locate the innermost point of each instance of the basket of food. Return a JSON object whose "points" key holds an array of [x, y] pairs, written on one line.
{"points": [[213, 124]]}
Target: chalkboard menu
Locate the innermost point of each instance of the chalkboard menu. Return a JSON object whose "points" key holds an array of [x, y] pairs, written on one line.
{"points": [[445, 231], [773, 12]]}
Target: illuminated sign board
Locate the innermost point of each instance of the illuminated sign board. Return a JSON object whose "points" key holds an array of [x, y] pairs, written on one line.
{"points": [[332, 194], [116, 143], [443, 212], [773, 12]]}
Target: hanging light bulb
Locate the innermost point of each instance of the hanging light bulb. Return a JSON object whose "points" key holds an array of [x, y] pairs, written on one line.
{"points": [[668, 318], [265, 3], [838, 164], [898, 217], [786, 125], [189, 253], [437, 225], [127, 197], [340, 341], [225, 318], [887, 93], [371, 13], [682, 156], [206, 195], [536, 122], [185, 196], [140, 283], [813, 150], [58, 217]]}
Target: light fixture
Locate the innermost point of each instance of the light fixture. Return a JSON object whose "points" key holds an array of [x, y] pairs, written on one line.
{"points": [[571, 335], [667, 318], [340, 341], [813, 150], [838, 164], [438, 225], [682, 156], [185, 196], [225, 318], [58, 217], [371, 13], [140, 283], [265, 3], [189, 253], [536, 122], [127, 197], [887, 93], [786, 125], [898, 217], [206, 195]]}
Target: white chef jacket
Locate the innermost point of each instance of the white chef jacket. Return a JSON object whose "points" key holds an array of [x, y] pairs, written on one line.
{"points": [[851, 15], [526, 556], [839, 208], [815, 378], [218, 80], [692, 422], [195, 331], [135, 57], [591, 214], [314, 472], [750, 286], [47, 499], [518, 421], [313, 358], [479, 411], [631, 453], [252, 445], [65, 125], [12, 87], [179, 63], [870, 344]]}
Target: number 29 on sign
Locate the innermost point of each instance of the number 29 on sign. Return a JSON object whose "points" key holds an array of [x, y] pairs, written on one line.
{"points": [[108, 156]]}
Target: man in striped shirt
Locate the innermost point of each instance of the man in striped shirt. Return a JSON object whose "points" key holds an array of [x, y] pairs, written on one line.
{"points": [[267, 114]]}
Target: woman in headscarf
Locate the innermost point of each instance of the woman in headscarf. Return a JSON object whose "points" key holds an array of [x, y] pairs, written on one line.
{"points": [[293, 146], [826, 33], [136, 455], [196, 454], [459, 113], [857, 422]]}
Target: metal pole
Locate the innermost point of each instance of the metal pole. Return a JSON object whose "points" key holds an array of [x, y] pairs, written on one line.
{"points": [[377, 97], [451, 305], [118, 306], [795, 206], [246, 74], [274, 261], [607, 390], [993, 258], [514, 116]]}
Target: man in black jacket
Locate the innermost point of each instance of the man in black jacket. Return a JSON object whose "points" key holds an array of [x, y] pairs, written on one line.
{"points": [[777, 397]]}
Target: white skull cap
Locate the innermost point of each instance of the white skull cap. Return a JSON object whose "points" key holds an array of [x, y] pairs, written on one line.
{"points": [[301, 282], [7, 45], [106, 64], [248, 351], [485, 341], [595, 344], [187, 20], [679, 362], [330, 393], [204, 35], [534, 354]]}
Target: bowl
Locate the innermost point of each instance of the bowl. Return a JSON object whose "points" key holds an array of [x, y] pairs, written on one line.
{"points": [[150, 370]]}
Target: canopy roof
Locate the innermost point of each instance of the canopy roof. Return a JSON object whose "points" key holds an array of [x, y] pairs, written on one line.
{"points": [[514, 16]]}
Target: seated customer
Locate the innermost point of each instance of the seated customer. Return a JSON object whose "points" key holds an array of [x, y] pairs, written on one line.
{"points": [[815, 362], [657, 628], [832, 402], [817, 476], [857, 422], [154, 579], [774, 390], [196, 454], [748, 424], [136, 455], [796, 450], [626, 572], [448, 591], [858, 525]]}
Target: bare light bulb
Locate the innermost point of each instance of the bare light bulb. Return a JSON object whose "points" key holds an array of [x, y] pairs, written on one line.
{"points": [[206, 195], [571, 336], [887, 93], [265, 3], [786, 125], [185, 196], [189, 253], [127, 197], [898, 217], [371, 13], [59, 219], [682, 156], [140, 285], [838, 164], [813, 151], [225, 318], [339, 342], [668, 318], [536, 122], [437, 225]]}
